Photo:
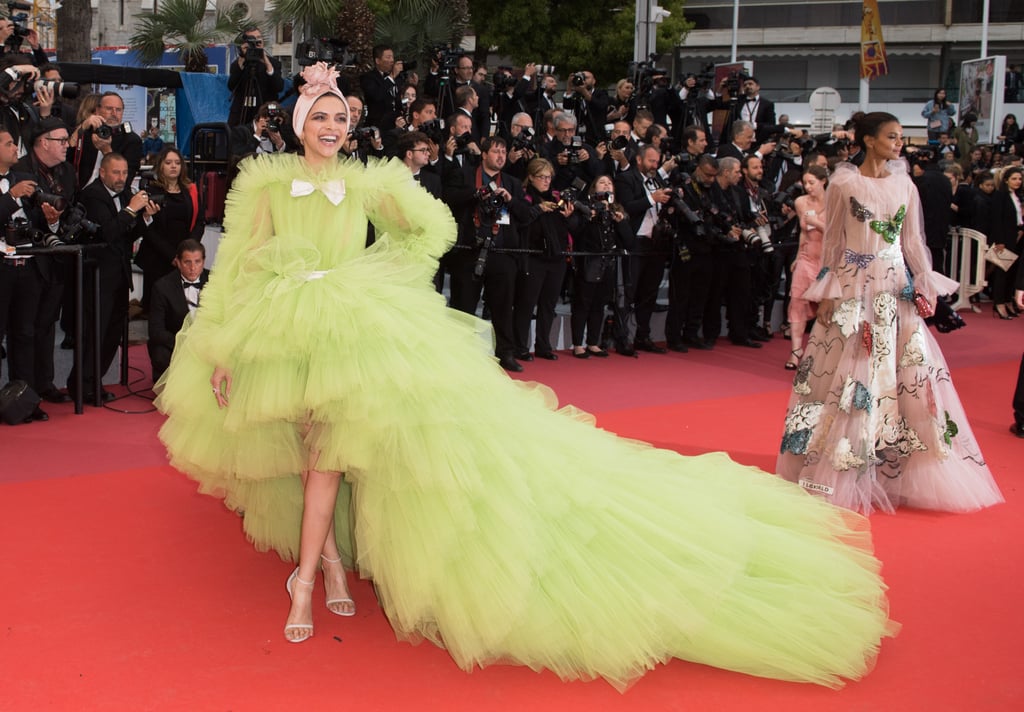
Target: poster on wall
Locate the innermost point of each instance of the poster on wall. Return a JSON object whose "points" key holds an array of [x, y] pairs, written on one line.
{"points": [[981, 94]]}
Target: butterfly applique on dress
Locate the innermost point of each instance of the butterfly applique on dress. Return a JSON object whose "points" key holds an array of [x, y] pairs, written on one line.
{"points": [[851, 257], [890, 229], [859, 211]]}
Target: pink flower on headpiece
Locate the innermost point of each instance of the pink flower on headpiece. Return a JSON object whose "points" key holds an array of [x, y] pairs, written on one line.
{"points": [[320, 78]]}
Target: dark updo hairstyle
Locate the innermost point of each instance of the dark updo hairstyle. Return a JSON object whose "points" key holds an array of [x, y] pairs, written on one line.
{"points": [[869, 125], [818, 172]]}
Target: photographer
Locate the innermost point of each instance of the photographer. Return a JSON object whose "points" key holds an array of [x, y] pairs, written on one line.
{"points": [[696, 275], [510, 96], [16, 115], [642, 194], [742, 143], [731, 280], [21, 281], [12, 34], [614, 153], [551, 219], [422, 118], [121, 218], [488, 206], [522, 145], [104, 133], [695, 97], [606, 230], [380, 89], [179, 218], [573, 159], [760, 249], [48, 211], [588, 104], [269, 132], [50, 93], [363, 141], [757, 110], [254, 79]]}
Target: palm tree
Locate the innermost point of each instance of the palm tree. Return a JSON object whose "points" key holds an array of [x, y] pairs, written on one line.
{"points": [[413, 27], [182, 25], [310, 18]]}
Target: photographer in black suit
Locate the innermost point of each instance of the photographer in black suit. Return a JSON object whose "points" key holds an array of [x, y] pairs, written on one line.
{"points": [[46, 167], [254, 79], [489, 207], [175, 296], [639, 190], [121, 217], [588, 104], [104, 133], [380, 89]]}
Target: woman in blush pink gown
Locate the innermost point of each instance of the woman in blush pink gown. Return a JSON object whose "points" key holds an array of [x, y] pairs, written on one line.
{"points": [[810, 208]]}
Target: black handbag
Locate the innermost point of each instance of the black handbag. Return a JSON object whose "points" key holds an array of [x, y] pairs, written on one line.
{"points": [[17, 402]]}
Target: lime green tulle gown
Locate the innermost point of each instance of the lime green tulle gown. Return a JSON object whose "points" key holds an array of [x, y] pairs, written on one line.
{"points": [[491, 522]]}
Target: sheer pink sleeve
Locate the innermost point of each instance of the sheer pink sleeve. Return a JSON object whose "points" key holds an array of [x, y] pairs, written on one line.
{"points": [[837, 204]]}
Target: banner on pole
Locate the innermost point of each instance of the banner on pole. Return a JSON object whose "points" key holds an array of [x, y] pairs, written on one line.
{"points": [[873, 62]]}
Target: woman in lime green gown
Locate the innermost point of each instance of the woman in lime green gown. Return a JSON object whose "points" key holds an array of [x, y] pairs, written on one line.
{"points": [[354, 416]]}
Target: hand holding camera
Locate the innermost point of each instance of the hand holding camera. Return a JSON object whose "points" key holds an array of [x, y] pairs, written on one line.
{"points": [[23, 189]]}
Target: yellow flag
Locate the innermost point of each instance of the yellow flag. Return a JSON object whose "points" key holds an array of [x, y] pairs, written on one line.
{"points": [[872, 47]]}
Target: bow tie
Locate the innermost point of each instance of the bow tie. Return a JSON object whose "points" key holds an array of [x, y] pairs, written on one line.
{"points": [[185, 284], [415, 177], [333, 189]]}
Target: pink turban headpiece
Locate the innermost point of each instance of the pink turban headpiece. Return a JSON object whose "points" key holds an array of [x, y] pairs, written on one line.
{"points": [[320, 79]]}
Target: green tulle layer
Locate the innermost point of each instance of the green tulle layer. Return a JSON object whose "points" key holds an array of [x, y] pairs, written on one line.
{"points": [[493, 523]]}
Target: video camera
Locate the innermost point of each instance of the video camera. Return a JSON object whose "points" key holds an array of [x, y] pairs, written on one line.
{"points": [[733, 84], [433, 131], [254, 53], [503, 79], [447, 59], [323, 49]]}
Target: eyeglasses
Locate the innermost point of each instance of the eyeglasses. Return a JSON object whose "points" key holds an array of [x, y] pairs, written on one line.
{"points": [[544, 177], [63, 140], [421, 150]]}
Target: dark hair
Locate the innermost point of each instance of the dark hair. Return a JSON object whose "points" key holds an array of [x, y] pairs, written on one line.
{"points": [[450, 121], [407, 142], [983, 176], [1005, 175], [48, 67], [183, 179], [706, 159], [937, 100], [379, 50], [870, 125], [818, 172], [490, 141], [420, 104], [690, 134], [189, 245], [745, 163], [463, 93], [1006, 118]]}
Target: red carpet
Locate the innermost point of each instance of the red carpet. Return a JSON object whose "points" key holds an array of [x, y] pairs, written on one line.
{"points": [[125, 589]]}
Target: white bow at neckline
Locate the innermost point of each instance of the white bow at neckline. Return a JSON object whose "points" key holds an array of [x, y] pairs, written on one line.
{"points": [[333, 189]]}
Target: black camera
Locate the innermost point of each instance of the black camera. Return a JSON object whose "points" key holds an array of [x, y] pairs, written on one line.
{"points": [[154, 191], [677, 202], [275, 117], [490, 201], [578, 79], [323, 49], [75, 226], [523, 141], [407, 69], [572, 196], [40, 196], [503, 79], [106, 132], [254, 50], [462, 142], [433, 131], [365, 134], [619, 143], [573, 149], [19, 233], [733, 82], [447, 59], [65, 90], [20, 22]]}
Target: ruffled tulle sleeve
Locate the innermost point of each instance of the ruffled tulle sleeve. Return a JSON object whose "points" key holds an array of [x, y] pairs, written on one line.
{"points": [[929, 283], [834, 239], [415, 221], [247, 225]]}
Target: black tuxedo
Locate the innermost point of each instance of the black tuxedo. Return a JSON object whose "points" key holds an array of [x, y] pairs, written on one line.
{"points": [[647, 265], [501, 269], [729, 150], [167, 312], [51, 270], [382, 102], [431, 182], [936, 194], [591, 114], [118, 230], [760, 112], [128, 145]]}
